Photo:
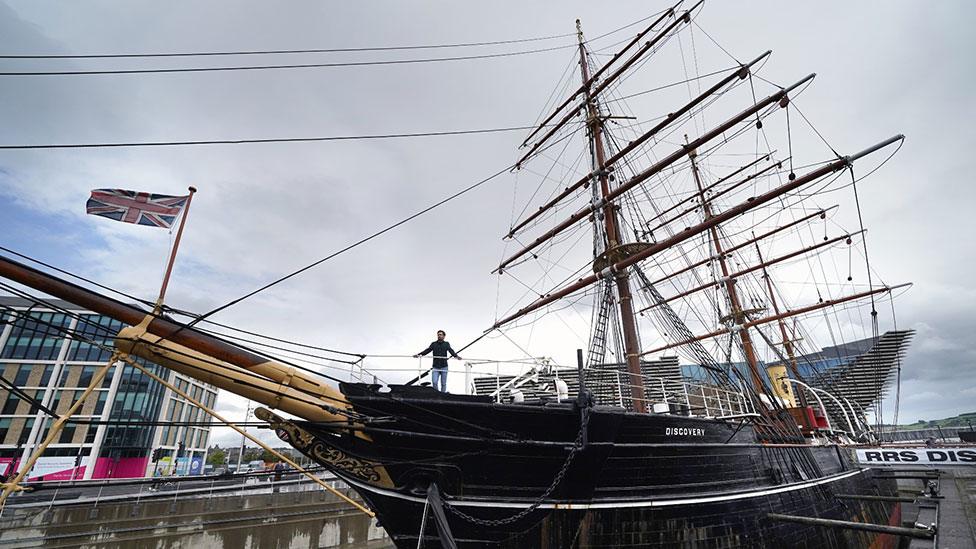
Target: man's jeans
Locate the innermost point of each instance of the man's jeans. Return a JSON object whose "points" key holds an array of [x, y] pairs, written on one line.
{"points": [[438, 377]]}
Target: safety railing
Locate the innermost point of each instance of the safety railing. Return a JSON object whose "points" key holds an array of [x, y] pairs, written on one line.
{"points": [[670, 396], [398, 369], [535, 379]]}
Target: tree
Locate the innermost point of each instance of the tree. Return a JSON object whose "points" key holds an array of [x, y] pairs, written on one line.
{"points": [[216, 457], [251, 453]]}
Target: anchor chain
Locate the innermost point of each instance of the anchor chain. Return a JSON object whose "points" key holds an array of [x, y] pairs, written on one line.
{"points": [[577, 445]]}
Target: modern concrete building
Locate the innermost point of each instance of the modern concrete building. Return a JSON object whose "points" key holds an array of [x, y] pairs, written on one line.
{"points": [[858, 375], [38, 358]]}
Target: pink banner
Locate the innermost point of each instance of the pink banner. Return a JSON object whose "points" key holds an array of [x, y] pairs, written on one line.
{"points": [[120, 467], [5, 465]]}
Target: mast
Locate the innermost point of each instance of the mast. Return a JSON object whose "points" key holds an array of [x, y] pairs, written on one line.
{"points": [[737, 314], [787, 342], [196, 354], [716, 132], [742, 245], [667, 13], [786, 314], [743, 72], [621, 277], [762, 265], [646, 252]]}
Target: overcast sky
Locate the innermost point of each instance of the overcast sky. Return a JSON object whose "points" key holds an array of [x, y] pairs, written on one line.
{"points": [[265, 209]]}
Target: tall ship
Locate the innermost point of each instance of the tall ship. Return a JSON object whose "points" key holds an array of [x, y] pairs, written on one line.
{"points": [[704, 246]]}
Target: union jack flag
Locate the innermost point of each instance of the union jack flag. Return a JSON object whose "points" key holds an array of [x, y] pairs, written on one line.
{"points": [[154, 210]]}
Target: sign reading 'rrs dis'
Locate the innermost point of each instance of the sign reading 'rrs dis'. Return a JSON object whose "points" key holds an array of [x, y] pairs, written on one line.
{"points": [[919, 456]]}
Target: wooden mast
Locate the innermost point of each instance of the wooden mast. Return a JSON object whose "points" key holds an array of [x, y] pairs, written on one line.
{"points": [[667, 13], [621, 277], [657, 167], [737, 314], [657, 247], [786, 314], [761, 265], [742, 245], [743, 72], [197, 354], [787, 342]]}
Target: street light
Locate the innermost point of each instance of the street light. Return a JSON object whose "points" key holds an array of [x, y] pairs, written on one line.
{"points": [[240, 457]]}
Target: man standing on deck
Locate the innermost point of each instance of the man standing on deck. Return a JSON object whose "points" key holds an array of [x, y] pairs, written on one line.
{"points": [[438, 372]]}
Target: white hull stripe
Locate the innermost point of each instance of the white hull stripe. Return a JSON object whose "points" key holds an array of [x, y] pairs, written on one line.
{"points": [[614, 504]]}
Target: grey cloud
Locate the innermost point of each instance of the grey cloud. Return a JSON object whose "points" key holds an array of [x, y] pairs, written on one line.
{"points": [[264, 210]]}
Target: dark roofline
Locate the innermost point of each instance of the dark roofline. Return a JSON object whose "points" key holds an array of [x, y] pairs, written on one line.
{"points": [[24, 303]]}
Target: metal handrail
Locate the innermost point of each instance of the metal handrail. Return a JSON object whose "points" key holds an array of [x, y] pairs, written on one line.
{"points": [[676, 394], [680, 396]]}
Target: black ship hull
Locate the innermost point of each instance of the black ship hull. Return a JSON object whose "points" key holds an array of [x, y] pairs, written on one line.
{"points": [[637, 480]]}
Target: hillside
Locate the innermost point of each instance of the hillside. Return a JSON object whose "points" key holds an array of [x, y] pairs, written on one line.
{"points": [[962, 420]]}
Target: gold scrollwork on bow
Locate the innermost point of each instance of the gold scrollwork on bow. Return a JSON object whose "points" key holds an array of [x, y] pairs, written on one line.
{"points": [[326, 454]]}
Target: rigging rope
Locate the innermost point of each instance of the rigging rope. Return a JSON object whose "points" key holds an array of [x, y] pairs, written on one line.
{"points": [[283, 67], [284, 51], [354, 416], [402, 135], [353, 245]]}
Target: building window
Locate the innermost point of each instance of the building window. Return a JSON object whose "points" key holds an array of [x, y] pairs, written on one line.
{"points": [[100, 403], [98, 329], [4, 428], [36, 336], [87, 372], [10, 407], [38, 396], [46, 376], [25, 432], [47, 428], [67, 434], [90, 432], [20, 380]]}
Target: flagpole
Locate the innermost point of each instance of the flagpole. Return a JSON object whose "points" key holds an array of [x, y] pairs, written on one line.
{"points": [[172, 255]]}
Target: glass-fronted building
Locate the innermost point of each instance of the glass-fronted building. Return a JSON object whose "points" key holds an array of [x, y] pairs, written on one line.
{"points": [[115, 431]]}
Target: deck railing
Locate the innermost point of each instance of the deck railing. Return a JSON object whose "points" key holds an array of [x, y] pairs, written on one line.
{"points": [[536, 379]]}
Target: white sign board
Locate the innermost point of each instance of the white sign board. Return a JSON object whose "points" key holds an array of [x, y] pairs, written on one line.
{"points": [[916, 456], [55, 464]]}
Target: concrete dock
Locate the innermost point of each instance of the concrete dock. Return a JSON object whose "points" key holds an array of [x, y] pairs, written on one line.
{"points": [[297, 514], [953, 512]]}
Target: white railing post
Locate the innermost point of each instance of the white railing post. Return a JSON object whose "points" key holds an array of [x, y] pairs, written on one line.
{"points": [[684, 388], [468, 388], [620, 391], [498, 383], [704, 400]]}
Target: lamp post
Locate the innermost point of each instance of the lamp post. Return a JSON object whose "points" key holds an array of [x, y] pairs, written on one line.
{"points": [[240, 457]]}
